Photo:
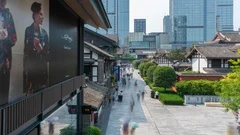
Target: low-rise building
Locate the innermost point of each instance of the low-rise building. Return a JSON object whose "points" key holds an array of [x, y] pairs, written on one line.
{"points": [[213, 59]]}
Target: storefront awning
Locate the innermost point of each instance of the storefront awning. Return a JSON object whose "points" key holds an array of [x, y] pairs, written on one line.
{"points": [[91, 11]]}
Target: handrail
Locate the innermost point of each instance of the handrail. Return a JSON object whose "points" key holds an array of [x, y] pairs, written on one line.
{"points": [[15, 114]]}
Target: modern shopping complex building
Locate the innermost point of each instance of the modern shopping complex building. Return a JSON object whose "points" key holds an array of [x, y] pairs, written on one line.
{"points": [[42, 60]]}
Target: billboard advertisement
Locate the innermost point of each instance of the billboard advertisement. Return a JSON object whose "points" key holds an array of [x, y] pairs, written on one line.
{"points": [[30, 56]]}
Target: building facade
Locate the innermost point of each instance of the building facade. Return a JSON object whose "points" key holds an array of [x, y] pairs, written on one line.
{"points": [[123, 22], [118, 14], [140, 25], [196, 21], [41, 79], [167, 25], [224, 15]]}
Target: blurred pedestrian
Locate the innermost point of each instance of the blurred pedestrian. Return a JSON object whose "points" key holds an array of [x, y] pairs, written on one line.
{"points": [[109, 99], [132, 103], [156, 94], [138, 96], [134, 125], [135, 83], [125, 122], [51, 128], [113, 99], [143, 94]]}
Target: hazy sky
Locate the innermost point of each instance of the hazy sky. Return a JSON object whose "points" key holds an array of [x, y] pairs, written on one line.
{"points": [[155, 10]]}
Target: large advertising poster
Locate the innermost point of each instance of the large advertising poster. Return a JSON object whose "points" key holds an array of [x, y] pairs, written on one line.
{"points": [[64, 39], [31, 58]]}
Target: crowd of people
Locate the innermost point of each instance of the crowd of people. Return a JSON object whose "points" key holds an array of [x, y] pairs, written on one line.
{"points": [[128, 126]]}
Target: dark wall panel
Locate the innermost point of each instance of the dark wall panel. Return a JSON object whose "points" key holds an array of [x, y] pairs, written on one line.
{"points": [[77, 82], [51, 96], [67, 88], [1, 120]]}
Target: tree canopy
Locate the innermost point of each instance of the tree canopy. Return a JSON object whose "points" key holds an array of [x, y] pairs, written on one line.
{"points": [[150, 72], [146, 66], [230, 87], [178, 55], [164, 76]]}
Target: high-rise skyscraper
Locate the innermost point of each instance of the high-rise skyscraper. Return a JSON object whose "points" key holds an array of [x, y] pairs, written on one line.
{"points": [[225, 14], [198, 20], [167, 25], [118, 14], [140, 25], [123, 21]]}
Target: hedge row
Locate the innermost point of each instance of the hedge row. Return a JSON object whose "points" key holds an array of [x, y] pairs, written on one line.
{"points": [[197, 87], [171, 99]]}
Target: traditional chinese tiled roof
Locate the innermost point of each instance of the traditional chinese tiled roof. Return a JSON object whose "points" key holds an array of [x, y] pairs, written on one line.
{"points": [[96, 49], [225, 38], [218, 51], [93, 97]]}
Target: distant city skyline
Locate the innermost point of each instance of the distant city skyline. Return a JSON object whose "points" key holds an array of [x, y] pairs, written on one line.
{"points": [[154, 11]]}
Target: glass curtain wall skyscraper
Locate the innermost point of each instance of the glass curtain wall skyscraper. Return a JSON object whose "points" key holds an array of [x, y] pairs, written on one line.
{"points": [[123, 22], [196, 20], [118, 14], [224, 15]]}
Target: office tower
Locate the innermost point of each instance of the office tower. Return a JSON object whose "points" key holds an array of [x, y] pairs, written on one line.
{"points": [[198, 20], [140, 25], [225, 14], [167, 24], [118, 14], [123, 22]]}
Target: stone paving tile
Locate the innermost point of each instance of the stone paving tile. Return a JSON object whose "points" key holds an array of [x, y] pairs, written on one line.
{"points": [[157, 119]]}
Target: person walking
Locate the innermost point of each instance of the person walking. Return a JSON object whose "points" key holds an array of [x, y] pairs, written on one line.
{"points": [[135, 83], [134, 125], [143, 93], [51, 128], [132, 103], [156, 94], [138, 95], [109, 99], [113, 99]]}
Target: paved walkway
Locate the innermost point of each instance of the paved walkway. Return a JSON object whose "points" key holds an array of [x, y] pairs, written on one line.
{"points": [[156, 119]]}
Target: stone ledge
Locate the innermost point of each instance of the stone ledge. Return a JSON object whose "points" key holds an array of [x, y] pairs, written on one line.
{"points": [[213, 104]]}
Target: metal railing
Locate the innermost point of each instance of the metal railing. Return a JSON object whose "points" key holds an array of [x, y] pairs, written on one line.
{"points": [[16, 114]]}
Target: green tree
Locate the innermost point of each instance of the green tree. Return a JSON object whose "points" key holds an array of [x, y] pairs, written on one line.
{"points": [[146, 66], [150, 72], [141, 66], [164, 77], [230, 87], [136, 63], [178, 55]]}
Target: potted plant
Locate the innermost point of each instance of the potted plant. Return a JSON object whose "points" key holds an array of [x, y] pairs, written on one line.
{"points": [[92, 130]]}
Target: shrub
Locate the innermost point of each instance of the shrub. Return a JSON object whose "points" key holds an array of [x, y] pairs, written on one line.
{"points": [[67, 131], [113, 79], [164, 76], [141, 66], [197, 87], [136, 63], [171, 98], [146, 66], [159, 89], [146, 80], [150, 72], [92, 130]]}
